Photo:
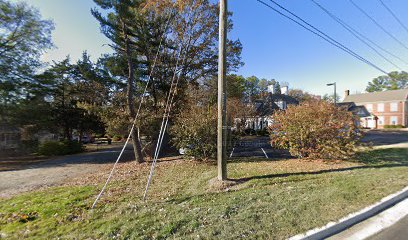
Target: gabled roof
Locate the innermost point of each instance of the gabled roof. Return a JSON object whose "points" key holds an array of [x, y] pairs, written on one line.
{"points": [[267, 106], [360, 111], [282, 97], [390, 95]]}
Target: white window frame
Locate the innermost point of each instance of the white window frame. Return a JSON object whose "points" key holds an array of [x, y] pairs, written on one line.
{"points": [[393, 118], [381, 120], [394, 107], [380, 107], [369, 107]]}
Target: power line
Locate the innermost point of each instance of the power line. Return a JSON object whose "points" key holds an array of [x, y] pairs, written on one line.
{"points": [[319, 33], [378, 46], [163, 127], [170, 98], [377, 24], [393, 14], [136, 116], [327, 37], [354, 32]]}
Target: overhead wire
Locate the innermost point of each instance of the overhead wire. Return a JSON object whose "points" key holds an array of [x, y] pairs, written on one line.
{"points": [[394, 15], [318, 33], [354, 32], [165, 120], [136, 116], [162, 131], [378, 24]]}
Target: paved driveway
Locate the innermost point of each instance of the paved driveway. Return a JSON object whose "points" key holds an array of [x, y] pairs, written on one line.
{"points": [[57, 171], [381, 138], [255, 146]]}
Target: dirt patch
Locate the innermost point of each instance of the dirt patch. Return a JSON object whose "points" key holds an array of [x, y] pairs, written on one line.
{"points": [[16, 163], [123, 171], [216, 185]]}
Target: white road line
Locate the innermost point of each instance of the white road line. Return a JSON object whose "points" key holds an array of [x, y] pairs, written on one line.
{"points": [[264, 153], [232, 152]]}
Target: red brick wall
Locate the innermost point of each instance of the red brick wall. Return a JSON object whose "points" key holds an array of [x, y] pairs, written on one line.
{"points": [[387, 114]]}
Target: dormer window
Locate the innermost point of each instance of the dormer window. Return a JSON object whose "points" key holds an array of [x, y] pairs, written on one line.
{"points": [[281, 104]]}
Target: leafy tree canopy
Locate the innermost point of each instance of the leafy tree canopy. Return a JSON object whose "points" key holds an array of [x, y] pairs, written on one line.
{"points": [[24, 36], [300, 95], [393, 81]]}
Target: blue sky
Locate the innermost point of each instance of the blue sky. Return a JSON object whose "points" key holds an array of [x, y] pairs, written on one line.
{"points": [[273, 46]]}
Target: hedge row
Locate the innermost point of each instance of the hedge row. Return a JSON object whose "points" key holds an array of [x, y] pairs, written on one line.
{"points": [[55, 148]]}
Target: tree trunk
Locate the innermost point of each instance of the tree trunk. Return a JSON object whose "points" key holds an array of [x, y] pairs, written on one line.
{"points": [[80, 135], [66, 131], [137, 146]]}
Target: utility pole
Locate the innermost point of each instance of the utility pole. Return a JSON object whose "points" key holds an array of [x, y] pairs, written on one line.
{"points": [[222, 95], [335, 94]]}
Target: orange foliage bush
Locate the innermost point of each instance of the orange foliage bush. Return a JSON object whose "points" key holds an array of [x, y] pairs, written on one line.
{"points": [[315, 129]]}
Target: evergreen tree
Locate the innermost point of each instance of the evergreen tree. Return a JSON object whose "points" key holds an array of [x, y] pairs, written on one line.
{"points": [[117, 27], [277, 88], [24, 37], [189, 30]]}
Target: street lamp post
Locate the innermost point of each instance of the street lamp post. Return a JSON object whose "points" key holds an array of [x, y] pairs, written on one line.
{"points": [[335, 95]]}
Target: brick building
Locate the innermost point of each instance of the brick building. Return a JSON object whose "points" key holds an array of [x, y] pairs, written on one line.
{"points": [[385, 108]]}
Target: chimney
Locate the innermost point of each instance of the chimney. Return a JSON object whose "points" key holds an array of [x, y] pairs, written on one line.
{"points": [[271, 89], [346, 93], [285, 90]]}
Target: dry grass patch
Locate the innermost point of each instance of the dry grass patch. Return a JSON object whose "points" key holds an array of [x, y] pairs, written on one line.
{"points": [[273, 200]]}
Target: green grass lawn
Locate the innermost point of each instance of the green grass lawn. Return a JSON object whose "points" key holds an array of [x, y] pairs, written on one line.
{"points": [[265, 199]]}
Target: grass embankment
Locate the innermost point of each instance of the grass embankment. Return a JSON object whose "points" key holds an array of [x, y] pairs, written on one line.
{"points": [[268, 199]]}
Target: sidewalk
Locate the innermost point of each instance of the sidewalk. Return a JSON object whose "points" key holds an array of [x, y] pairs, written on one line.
{"points": [[380, 224], [395, 232]]}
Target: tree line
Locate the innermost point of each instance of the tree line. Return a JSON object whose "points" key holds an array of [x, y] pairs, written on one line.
{"points": [[101, 97]]}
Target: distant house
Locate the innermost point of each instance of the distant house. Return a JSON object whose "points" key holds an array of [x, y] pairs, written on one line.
{"points": [[381, 108], [9, 137], [264, 108], [12, 137], [359, 111]]}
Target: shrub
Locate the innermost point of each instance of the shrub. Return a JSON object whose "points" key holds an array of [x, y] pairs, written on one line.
{"points": [[100, 135], [315, 129], [29, 145], [393, 126], [117, 138], [72, 147], [55, 148], [262, 132], [195, 130]]}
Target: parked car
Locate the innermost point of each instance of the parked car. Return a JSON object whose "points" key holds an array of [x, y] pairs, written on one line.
{"points": [[85, 139]]}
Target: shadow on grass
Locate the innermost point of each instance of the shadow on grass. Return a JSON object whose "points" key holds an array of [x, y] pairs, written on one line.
{"points": [[378, 158], [383, 156], [373, 159], [259, 159], [273, 155]]}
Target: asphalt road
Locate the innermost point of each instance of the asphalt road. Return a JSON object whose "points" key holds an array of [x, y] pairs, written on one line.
{"points": [[398, 231], [58, 170], [253, 146], [380, 138]]}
